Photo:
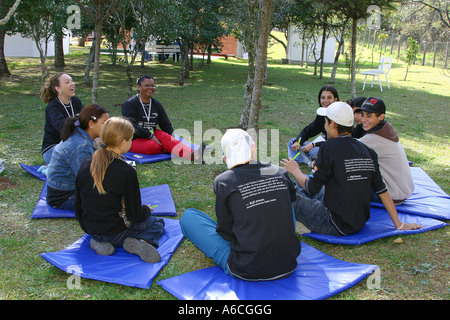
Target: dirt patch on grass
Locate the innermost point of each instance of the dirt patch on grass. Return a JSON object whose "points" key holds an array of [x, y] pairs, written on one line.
{"points": [[6, 183]]}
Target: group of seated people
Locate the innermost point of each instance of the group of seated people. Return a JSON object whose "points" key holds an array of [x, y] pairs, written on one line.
{"points": [[257, 204]]}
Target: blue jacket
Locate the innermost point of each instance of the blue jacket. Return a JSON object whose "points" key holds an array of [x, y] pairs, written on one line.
{"points": [[67, 159]]}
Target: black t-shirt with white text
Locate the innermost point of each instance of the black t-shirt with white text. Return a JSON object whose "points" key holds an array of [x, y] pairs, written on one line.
{"points": [[254, 213], [349, 170]]}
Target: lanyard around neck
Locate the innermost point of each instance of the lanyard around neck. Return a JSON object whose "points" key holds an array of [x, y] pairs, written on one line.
{"points": [[66, 108], [147, 115]]}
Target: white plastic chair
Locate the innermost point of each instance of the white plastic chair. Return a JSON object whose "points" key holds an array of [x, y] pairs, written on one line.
{"points": [[383, 68]]}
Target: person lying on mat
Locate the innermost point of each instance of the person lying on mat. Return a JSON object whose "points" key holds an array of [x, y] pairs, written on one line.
{"points": [[146, 114], [59, 93], [382, 137], [108, 200], [335, 200], [78, 134], [254, 237]]}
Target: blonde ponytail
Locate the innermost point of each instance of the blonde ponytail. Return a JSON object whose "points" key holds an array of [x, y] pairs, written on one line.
{"points": [[114, 131]]}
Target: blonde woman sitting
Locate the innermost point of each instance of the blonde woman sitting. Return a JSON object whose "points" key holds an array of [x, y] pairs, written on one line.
{"points": [[108, 199]]}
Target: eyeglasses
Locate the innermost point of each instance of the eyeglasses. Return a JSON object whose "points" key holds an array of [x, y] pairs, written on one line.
{"points": [[153, 86]]}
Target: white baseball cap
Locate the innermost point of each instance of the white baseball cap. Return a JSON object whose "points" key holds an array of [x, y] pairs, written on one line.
{"points": [[340, 112], [236, 146]]}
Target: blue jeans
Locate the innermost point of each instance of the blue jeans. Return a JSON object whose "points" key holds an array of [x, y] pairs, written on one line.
{"points": [[200, 229], [311, 211], [303, 157], [47, 155], [149, 230], [68, 204]]}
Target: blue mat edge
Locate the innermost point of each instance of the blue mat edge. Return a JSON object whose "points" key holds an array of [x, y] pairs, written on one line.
{"points": [[70, 214], [340, 240], [47, 257], [370, 269]]}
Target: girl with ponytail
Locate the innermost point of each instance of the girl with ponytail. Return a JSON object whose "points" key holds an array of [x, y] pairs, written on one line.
{"points": [[108, 199], [77, 135], [59, 94]]}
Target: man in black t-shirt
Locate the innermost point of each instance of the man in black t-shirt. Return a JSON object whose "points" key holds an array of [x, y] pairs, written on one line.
{"points": [[335, 200], [254, 237]]}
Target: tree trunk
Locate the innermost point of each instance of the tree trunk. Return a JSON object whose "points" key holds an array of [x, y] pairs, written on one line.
{"points": [[248, 89], [322, 49], [59, 51], [98, 35], [142, 55], [4, 71], [184, 56], [260, 62], [42, 48], [87, 70], [353, 59], [337, 55]]}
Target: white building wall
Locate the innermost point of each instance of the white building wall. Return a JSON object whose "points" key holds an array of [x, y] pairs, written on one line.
{"points": [[294, 50], [17, 46]]}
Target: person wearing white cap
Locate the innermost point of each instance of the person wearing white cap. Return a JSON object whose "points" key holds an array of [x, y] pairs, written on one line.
{"points": [[254, 238], [335, 200]]}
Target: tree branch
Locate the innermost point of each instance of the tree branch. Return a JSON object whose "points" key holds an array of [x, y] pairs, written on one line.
{"points": [[10, 13], [440, 12]]}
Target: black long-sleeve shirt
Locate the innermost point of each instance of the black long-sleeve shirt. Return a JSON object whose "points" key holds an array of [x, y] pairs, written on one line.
{"points": [[55, 116], [99, 214], [145, 118], [311, 130]]}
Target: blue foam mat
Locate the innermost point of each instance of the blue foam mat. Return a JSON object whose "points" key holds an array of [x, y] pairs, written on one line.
{"points": [[428, 199], [380, 226], [33, 170], [318, 276], [122, 267], [156, 195], [145, 158]]}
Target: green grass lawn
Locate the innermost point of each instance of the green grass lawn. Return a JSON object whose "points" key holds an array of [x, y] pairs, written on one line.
{"points": [[416, 269]]}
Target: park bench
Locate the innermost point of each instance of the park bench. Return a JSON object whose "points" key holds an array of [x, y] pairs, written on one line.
{"points": [[156, 49]]}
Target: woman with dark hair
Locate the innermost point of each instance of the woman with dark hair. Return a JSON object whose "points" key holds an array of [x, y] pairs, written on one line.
{"points": [[78, 134], [146, 114], [59, 93], [327, 95]]}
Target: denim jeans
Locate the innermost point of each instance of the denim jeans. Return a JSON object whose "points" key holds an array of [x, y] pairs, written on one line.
{"points": [[303, 157], [149, 230], [311, 211], [200, 229], [47, 155], [68, 204]]}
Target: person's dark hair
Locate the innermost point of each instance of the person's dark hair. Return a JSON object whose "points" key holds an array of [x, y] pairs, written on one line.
{"points": [[91, 112], [357, 102], [341, 129], [49, 93], [328, 88], [141, 78]]}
